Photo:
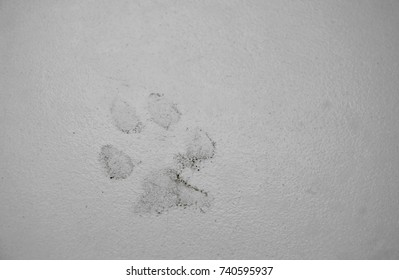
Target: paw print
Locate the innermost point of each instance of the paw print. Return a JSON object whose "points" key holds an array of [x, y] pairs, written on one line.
{"points": [[169, 187]]}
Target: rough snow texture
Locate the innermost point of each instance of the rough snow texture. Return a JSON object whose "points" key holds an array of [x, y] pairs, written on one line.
{"points": [[301, 98]]}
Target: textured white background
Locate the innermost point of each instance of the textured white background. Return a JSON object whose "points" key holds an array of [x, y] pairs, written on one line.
{"points": [[301, 97]]}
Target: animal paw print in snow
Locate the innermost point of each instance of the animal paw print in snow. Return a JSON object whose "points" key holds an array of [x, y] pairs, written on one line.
{"points": [[166, 188]]}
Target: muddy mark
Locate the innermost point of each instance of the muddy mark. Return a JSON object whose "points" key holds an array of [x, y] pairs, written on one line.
{"points": [[116, 163], [200, 148], [125, 118], [166, 190], [162, 110]]}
